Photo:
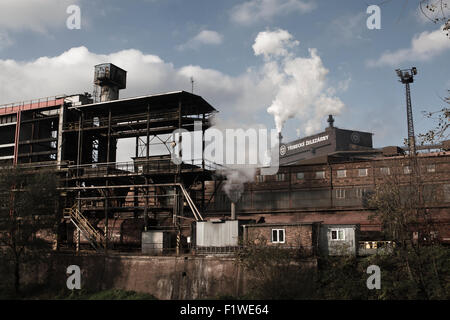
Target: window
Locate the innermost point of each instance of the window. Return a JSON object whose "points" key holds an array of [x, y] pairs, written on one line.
{"points": [[385, 171], [362, 172], [340, 193], [341, 173], [447, 192], [360, 192], [280, 177], [320, 174], [434, 235], [406, 169], [259, 178], [431, 168], [300, 175], [278, 235], [337, 234]]}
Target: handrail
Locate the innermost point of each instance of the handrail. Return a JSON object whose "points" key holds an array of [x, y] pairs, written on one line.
{"points": [[83, 224], [81, 218], [33, 101]]}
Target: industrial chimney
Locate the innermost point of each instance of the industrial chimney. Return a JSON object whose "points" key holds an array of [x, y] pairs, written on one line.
{"points": [[108, 80], [234, 195], [233, 211]]}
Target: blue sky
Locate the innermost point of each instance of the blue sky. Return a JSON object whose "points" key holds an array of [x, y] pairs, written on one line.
{"points": [[213, 41]]}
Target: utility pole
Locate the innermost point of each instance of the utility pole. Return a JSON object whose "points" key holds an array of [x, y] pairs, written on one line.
{"points": [[406, 77]]}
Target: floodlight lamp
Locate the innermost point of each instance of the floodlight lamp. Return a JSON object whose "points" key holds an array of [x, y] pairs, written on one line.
{"points": [[414, 70]]}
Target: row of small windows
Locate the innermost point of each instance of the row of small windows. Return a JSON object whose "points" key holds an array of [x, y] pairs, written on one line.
{"points": [[342, 193], [278, 235], [342, 173]]}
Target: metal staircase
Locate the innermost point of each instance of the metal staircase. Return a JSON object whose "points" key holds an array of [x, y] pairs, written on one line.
{"points": [[95, 238]]}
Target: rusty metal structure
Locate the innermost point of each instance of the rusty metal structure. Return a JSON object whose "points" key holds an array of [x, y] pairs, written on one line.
{"points": [[78, 137]]}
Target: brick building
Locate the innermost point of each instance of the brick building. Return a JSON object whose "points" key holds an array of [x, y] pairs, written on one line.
{"points": [[334, 188]]}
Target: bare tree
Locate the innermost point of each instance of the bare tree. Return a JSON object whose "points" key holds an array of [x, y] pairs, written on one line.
{"points": [[403, 202], [27, 212], [442, 118]]}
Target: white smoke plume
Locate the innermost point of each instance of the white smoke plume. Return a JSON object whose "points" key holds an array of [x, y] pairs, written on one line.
{"points": [[301, 86], [236, 179], [237, 174]]}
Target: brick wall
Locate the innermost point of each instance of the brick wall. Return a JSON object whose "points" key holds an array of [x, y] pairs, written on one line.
{"points": [[295, 235]]}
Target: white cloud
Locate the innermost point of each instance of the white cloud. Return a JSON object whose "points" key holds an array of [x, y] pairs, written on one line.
{"points": [[204, 37], [424, 47], [348, 28], [273, 43], [35, 15], [256, 10]]}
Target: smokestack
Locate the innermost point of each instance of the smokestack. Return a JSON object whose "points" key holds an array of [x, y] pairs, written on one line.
{"points": [[280, 137], [233, 211], [331, 121]]}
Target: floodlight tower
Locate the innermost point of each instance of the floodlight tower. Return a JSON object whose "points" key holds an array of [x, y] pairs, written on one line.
{"points": [[407, 77]]}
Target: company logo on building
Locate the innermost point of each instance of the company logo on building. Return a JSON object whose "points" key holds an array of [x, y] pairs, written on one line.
{"points": [[305, 143], [283, 150], [355, 137]]}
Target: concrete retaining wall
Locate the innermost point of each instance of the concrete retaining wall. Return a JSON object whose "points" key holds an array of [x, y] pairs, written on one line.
{"points": [[165, 277]]}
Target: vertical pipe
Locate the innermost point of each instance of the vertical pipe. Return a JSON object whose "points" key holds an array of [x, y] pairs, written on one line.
{"points": [[233, 211], [203, 162]]}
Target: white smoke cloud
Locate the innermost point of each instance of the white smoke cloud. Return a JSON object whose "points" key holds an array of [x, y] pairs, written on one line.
{"points": [[300, 82], [236, 179]]}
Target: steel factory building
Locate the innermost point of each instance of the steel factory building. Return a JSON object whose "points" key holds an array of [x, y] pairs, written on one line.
{"points": [[318, 197]]}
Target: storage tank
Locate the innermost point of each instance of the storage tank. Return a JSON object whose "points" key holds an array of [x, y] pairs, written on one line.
{"points": [[108, 80]]}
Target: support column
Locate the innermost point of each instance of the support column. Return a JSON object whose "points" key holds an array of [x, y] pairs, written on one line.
{"points": [[17, 138], [147, 157], [79, 145], [108, 152], [203, 163], [177, 210], [77, 249], [60, 135]]}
